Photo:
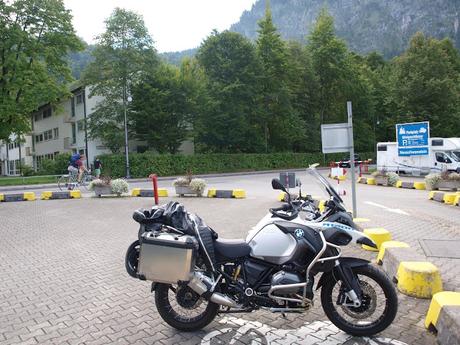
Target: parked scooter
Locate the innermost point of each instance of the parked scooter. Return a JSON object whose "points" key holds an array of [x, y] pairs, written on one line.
{"points": [[196, 275]]}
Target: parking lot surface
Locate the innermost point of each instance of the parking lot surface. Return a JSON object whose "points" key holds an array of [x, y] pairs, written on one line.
{"points": [[63, 281]]}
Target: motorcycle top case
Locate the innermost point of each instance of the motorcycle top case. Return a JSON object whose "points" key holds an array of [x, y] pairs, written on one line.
{"points": [[167, 258]]}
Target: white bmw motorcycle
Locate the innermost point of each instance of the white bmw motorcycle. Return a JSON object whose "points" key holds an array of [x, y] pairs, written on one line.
{"points": [[197, 275]]}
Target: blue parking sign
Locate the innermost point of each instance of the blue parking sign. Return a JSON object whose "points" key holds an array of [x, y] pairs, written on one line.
{"points": [[413, 138]]}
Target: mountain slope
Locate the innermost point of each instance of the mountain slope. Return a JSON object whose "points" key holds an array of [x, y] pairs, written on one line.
{"points": [[366, 25]]}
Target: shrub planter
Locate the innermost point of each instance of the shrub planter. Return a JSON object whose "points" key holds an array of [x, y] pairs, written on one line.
{"points": [[449, 185], [99, 191], [183, 190], [381, 180]]}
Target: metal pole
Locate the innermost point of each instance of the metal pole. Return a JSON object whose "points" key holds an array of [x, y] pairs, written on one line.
{"points": [[352, 157], [86, 126], [126, 132]]}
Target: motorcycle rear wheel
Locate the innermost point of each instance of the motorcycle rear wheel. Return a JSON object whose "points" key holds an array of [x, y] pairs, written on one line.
{"points": [[173, 311], [352, 320]]}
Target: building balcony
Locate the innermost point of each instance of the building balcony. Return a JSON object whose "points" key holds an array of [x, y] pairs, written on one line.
{"points": [[69, 143]]}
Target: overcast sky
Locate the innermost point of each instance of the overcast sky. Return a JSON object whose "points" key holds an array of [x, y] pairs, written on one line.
{"points": [[174, 24]]}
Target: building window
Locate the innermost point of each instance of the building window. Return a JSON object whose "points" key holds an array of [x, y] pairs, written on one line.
{"points": [[48, 135], [39, 138], [81, 125], [79, 98], [47, 113], [74, 133], [37, 117], [56, 133]]}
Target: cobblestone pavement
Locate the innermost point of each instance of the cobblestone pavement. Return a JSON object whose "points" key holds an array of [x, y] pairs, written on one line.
{"points": [[63, 281]]}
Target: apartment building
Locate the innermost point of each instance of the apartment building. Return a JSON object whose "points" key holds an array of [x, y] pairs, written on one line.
{"points": [[61, 129], [14, 154]]}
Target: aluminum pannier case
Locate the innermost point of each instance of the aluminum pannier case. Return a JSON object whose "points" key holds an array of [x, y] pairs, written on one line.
{"points": [[166, 258]]}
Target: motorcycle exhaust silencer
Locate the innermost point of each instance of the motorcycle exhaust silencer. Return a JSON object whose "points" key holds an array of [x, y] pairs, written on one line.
{"points": [[197, 284]]}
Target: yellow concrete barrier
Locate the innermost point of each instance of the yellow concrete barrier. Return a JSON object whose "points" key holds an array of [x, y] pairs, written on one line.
{"points": [[399, 184], [420, 185], [75, 194], [449, 198], [371, 181], [239, 193], [456, 201], [29, 196], [46, 195], [162, 192], [378, 235], [2, 197], [389, 244], [439, 300], [418, 279], [431, 195], [212, 192]]}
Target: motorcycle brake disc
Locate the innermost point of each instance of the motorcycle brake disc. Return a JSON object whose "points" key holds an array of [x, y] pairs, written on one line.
{"points": [[368, 303]]}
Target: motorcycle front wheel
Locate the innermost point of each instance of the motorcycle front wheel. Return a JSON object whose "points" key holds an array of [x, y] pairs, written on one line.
{"points": [[182, 308], [377, 311]]}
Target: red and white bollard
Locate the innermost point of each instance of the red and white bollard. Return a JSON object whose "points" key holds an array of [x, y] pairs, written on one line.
{"points": [[155, 187]]}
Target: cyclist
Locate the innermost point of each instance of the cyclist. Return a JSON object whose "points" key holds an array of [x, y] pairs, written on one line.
{"points": [[76, 165]]}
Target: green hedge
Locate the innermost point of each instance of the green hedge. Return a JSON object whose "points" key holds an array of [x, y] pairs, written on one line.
{"points": [[144, 164]]}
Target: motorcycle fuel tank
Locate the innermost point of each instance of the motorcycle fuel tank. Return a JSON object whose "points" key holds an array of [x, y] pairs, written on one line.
{"points": [[272, 245]]}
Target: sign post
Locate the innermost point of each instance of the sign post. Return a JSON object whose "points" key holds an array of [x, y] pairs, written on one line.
{"points": [[338, 137], [413, 139], [352, 157]]}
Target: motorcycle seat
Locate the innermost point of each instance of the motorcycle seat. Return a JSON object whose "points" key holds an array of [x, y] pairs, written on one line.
{"points": [[231, 249]]}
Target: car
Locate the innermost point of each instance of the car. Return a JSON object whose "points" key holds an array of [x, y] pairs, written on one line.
{"points": [[345, 163]]}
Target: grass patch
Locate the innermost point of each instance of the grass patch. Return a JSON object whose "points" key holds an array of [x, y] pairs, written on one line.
{"points": [[14, 181]]}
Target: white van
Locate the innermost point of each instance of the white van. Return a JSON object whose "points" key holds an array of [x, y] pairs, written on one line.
{"points": [[444, 155]]}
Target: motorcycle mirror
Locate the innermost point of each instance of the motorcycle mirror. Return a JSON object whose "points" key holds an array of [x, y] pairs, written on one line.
{"points": [[276, 184]]}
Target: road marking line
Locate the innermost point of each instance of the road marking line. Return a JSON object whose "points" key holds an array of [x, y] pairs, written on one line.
{"points": [[394, 210]]}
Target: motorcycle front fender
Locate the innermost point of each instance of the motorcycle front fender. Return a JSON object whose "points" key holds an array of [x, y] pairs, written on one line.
{"points": [[345, 262]]}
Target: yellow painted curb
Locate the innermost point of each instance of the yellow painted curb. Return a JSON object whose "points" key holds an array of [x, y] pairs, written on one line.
{"points": [[449, 198], [136, 192], [281, 196], [239, 193], [211, 193], [418, 279], [439, 300], [456, 201], [75, 194], [162, 192], [389, 244], [399, 184], [378, 235], [30, 196], [371, 181], [46, 195], [361, 220], [420, 185], [2, 197]]}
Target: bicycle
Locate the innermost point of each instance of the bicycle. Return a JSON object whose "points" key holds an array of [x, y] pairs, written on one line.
{"points": [[70, 181]]}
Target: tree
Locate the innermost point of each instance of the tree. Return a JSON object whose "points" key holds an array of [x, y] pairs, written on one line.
{"points": [[282, 127], [160, 111], [331, 65], [122, 53], [35, 39], [425, 85], [229, 121]]}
